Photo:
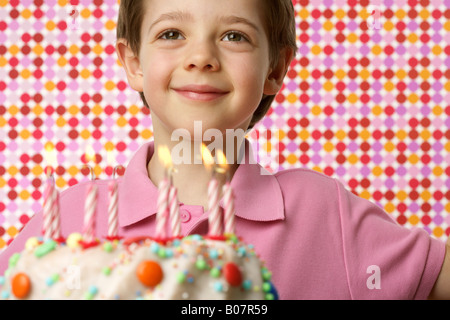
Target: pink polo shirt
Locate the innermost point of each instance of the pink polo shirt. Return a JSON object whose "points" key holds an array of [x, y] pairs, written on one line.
{"points": [[319, 240]]}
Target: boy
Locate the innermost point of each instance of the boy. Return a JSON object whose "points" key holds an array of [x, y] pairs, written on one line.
{"points": [[221, 63]]}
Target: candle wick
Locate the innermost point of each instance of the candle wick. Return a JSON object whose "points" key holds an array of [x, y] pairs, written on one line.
{"points": [[93, 176], [115, 171], [49, 172]]}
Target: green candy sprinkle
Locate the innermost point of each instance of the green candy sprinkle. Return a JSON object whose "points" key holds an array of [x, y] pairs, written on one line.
{"points": [[106, 271], [108, 247], [181, 277], [266, 274], [266, 287], [13, 260], [270, 296], [215, 273], [161, 253], [201, 264], [45, 248]]}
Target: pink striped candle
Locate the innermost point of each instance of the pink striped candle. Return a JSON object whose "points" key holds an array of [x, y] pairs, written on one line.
{"points": [[90, 208], [228, 202], [49, 208], [175, 223], [163, 209], [214, 216], [56, 229], [113, 209]]}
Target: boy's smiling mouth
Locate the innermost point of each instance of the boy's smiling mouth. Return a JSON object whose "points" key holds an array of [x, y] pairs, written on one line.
{"points": [[200, 92]]}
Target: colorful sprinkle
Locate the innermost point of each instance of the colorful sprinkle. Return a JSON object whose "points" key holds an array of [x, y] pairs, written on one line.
{"points": [[149, 273], [45, 248], [232, 274], [215, 272], [73, 240], [5, 294], [108, 247], [201, 264], [91, 293], [32, 243], [218, 286], [181, 277], [13, 260], [247, 284], [20, 285], [106, 271]]}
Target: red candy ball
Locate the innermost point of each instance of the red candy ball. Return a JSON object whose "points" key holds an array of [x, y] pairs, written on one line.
{"points": [[232, 274], [149, 273]]}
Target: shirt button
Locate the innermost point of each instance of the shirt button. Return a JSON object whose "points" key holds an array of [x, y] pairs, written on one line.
{"points": [[185, 215]]}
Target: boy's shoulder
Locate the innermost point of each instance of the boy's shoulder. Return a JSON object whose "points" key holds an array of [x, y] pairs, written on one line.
{"points": [[301, 177]]}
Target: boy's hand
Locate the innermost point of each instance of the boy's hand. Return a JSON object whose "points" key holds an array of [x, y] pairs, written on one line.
{"points": [[441, 289]]}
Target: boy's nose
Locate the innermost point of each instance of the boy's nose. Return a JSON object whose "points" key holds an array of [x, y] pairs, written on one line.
{"points": [[203, 58]]}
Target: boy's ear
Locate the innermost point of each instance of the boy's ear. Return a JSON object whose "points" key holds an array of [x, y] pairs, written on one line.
{"points": [[131, 64], [276, 75]]}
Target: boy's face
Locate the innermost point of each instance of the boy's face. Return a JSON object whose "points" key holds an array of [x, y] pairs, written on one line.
{"points": [[202, 60]]}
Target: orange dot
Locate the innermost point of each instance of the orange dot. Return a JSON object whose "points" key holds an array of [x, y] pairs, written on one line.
{"points": [[21, 285], [149, 273]]}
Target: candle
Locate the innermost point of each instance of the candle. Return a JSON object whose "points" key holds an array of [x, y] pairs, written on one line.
{"points": [[163, 196], [113, 210], [51, 220], [90, 206], [228, 197], [49, 208], [175, 223], [56, 234], [113, 204], [214, 215]]}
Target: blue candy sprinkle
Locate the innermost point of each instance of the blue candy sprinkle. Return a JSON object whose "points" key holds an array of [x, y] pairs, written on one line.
{"points": [[218, 286], [93, 290], [169, 253], [247, 284], [213, 254], [5, 294], [154, 247], [241, 252]]}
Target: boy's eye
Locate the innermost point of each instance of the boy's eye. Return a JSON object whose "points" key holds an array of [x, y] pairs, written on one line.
{"points": [[234, 36], [171, 35]]}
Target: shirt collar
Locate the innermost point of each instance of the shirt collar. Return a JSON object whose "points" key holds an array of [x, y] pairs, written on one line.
{"points": [[258, 195]]}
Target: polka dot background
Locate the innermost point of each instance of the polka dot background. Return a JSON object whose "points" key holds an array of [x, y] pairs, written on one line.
{"points": [[367, 101]]}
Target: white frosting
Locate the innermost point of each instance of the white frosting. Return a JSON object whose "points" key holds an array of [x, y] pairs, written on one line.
{"points": [[193, 268]]}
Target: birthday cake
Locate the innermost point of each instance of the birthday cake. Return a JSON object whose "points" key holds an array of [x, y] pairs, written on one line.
{"points": [[216, 266], [193, 267]]}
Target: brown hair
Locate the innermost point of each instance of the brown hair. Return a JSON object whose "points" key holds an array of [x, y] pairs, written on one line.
{"points": [[280, 28]]}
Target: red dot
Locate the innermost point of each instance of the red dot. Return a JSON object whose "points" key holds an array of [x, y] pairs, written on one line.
{"points": [[232, 274], [24, 219], [401, 219], [121, 146]]}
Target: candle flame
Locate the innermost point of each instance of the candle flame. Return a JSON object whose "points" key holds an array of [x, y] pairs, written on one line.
{"points": [[90, 154], [50, 156], [109, 158], [164, 156], [206, 156], [222, 160]]}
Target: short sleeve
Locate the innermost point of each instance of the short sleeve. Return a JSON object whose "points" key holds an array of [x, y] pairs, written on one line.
{"points": [[383, 259]]}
